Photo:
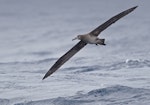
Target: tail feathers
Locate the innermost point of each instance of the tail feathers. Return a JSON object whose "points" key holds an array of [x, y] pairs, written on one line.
{"points": [[101, 41]]}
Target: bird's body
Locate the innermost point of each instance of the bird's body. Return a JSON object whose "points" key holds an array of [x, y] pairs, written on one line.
{"points": [[90, 38]]}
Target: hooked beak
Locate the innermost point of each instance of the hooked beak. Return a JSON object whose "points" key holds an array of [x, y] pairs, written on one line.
{"points": [[75, 38]]}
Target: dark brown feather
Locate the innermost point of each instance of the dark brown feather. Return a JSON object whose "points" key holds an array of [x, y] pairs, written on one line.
{"points": [[112, 20], [65, 58]]}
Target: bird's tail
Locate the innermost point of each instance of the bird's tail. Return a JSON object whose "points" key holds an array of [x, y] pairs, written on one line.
{"points": [[101, 41]]}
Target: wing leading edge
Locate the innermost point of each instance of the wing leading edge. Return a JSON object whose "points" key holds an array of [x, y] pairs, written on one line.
{"points": [[112, 20], [65, 58]]}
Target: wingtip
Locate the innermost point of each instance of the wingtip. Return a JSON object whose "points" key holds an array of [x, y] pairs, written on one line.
{"points": [[134, 7], [131, 9], [44, 77]]}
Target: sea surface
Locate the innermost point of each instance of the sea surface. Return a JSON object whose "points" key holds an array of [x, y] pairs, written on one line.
{"points": [[35, 33]]}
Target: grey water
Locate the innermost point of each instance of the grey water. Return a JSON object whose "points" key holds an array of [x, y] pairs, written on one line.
{"points": [[35, 33]]}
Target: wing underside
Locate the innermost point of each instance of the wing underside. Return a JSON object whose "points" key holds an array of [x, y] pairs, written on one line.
{"points": [[112, 20], [65, 58]]}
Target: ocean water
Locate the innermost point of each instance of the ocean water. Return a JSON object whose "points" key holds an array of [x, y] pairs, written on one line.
{"points": [[35, 33]]}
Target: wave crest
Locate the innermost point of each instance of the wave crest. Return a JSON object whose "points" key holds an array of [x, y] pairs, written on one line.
{"points": [[114, 95]]}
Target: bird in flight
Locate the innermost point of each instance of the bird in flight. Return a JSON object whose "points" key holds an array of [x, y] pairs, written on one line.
{"points": [[89, 38]]}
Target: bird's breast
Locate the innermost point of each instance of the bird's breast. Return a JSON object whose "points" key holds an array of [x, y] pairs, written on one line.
{"points": [[89, 39]]}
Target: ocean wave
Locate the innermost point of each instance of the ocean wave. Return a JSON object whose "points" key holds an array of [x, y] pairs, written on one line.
{"points": [[28, 62], [126, 64], [4, 101], [114, 89], [118, 65], [114, 95], [137, 62], [41, 53], [129, 63]]}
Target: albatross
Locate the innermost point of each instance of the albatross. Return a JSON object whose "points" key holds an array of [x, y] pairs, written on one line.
{"points": [[89, 38]]}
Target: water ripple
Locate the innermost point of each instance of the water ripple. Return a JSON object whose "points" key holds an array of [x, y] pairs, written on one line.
{"points": [[28, 62], [127, 64], [114, 95]]}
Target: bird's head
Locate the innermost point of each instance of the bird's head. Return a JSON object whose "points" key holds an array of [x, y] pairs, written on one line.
{"points": [[78, 37]]}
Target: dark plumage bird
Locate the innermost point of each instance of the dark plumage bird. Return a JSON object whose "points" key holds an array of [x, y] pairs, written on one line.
{"points": [[90, 38]]}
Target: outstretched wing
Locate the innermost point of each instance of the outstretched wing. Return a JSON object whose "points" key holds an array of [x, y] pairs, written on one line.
{"points": [[112, 20], [81, 44], [65, 58]]}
